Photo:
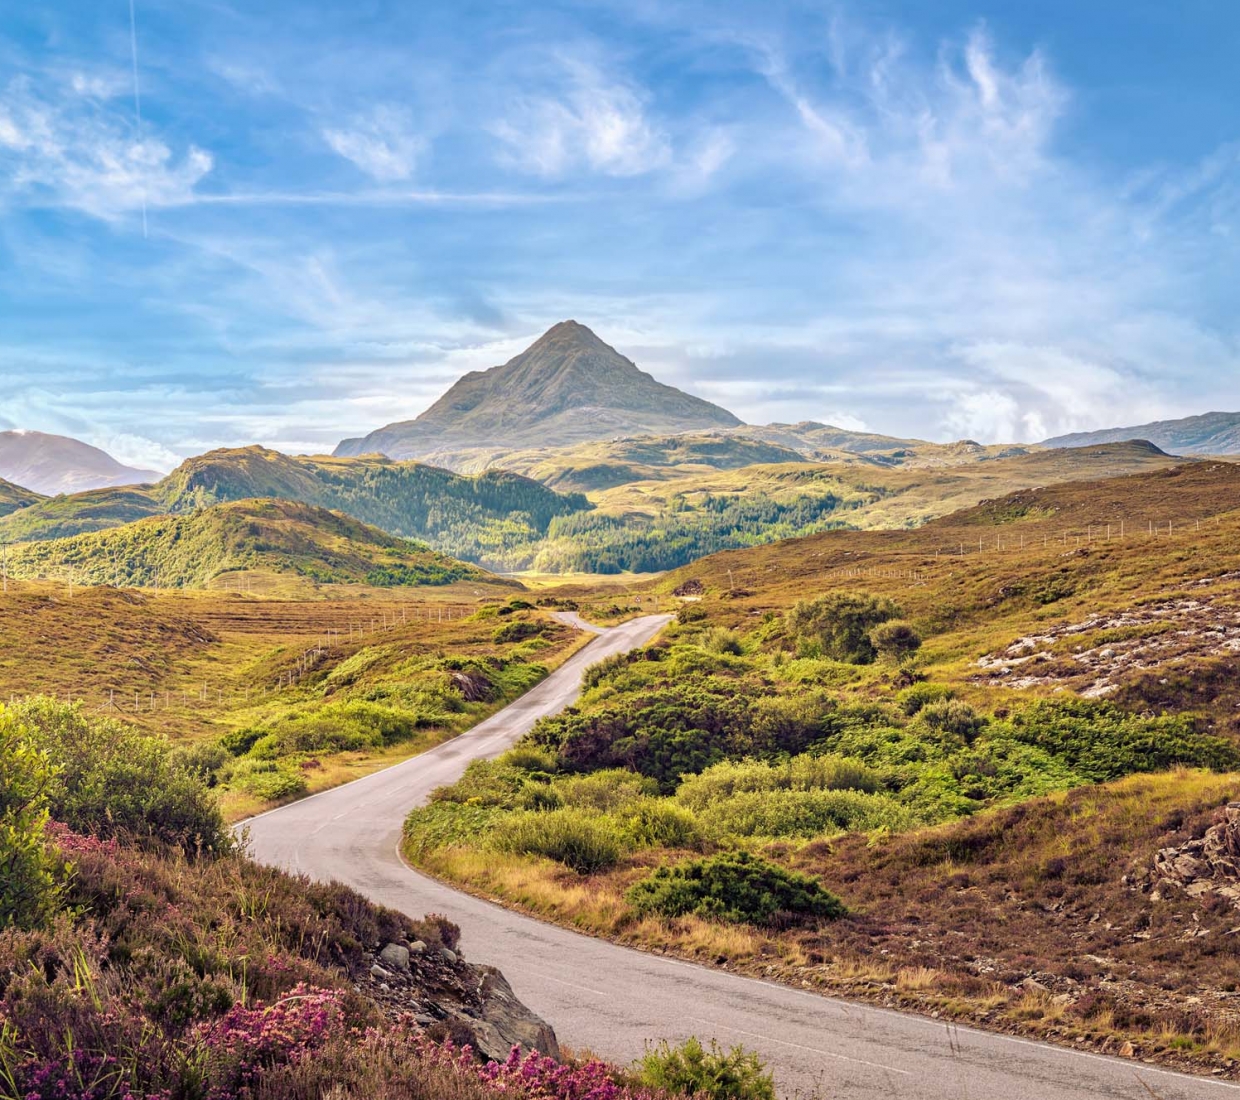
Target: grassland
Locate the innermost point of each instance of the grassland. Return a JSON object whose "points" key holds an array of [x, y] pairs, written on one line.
{"points": [[339, 679], [991, 830]]}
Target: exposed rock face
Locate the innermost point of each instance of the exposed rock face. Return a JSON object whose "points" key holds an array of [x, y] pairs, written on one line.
{"points": [[1210, 865], [449, 997]]}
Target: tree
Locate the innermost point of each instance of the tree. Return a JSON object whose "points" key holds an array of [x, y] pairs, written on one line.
{"points": [[838, 625], [895, 641], [28, 888]]}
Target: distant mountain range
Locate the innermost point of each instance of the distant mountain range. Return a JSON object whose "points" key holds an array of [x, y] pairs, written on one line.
{"points": [[1214, 433], [567, 387], [51, 464]]}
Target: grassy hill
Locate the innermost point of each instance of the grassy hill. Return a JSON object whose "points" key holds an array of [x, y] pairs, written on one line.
{"points": [[266, 536], [13, 497]]}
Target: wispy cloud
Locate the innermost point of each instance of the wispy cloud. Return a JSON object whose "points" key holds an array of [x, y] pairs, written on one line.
{"points": [[382, 143], [594, 120], [76, 152]]}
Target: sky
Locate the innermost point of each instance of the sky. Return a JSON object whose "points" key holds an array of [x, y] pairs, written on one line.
{"points": [[290, 223]]}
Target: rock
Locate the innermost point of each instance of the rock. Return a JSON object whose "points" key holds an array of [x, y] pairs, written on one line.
{"points": [[395, 956], [500, 1022], [1127, 1051], [1032, 985], [417, 948], [377, 971], [448, 956]]}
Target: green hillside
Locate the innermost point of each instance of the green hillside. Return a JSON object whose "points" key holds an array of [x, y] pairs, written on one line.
{"points": [[14, 497], [479, 518], [272, 536]]}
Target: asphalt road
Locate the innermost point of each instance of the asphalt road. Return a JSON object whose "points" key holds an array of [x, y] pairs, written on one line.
{"points": [[613, 1000]]}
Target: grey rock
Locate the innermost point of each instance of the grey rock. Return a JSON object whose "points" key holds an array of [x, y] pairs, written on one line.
{"points": [[448, 956], [417, 948], [377, 971], [395, 956], [500, 1021]]}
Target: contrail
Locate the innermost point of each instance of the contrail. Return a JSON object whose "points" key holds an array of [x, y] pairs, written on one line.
{"points": [[137, 95]]}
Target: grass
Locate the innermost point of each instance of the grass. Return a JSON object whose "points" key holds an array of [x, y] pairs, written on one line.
{"points": [[196, 665]]}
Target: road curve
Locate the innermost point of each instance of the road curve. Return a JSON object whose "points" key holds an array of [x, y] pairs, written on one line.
{"points": [[613, 1000]]}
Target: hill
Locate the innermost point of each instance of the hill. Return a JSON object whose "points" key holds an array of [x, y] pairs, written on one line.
{"points": [[1215, 433], [472, 517], [13, 497], [567, 387], [267, 536], [51, 464], [665, 523]]}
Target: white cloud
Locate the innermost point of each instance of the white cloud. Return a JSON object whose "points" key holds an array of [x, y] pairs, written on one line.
{"points": [[593, 121], [382, 143], [80, 154]]}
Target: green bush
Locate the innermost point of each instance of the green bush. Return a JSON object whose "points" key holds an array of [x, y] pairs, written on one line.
{"points": [[518, 630], [239, 742], [609, 789], [953, 716], [112, 779], [719, 639], [912, 699], [733, 886], [586, 843], [28, 888], [268, 779], [660, 823], [838, 625], [895, 641], [1103, 742], [800, 773], [804, 813], [715, 1074]]}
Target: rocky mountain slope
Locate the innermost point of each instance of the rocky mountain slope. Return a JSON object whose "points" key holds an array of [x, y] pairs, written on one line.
{"points": [[567, 387], [1213, 433], [51, 464]]}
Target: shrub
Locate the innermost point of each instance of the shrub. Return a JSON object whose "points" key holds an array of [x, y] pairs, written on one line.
{"points": [[895, 641], [691, 613], [268, 779], [838, 625], [659, 823], [518, 631], [28, 891], [239, 742], [801, 773], [719, 639], [732, 886], [584, 842], [609, 789], [953, 716], [112, 779], [912, 699], [804, 813], [715, 1074]]}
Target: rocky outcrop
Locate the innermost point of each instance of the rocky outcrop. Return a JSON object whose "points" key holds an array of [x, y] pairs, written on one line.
{"points": [[450, 998], [1209, 865]]}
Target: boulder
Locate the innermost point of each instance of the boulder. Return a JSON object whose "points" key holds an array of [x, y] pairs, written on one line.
{"points": [[395, 957]]}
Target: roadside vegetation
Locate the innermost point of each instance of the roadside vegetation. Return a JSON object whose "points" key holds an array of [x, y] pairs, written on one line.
{"points": [[143, 955], [815, 777]]}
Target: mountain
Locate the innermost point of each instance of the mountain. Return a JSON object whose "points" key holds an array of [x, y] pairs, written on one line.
{"points": [[14, 497], [567, 387], [51, 464], [471, 517], [268, 536], [1214, 433]]}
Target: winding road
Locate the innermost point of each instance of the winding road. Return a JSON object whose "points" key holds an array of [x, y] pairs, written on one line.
{"points": [[613, 1000]]}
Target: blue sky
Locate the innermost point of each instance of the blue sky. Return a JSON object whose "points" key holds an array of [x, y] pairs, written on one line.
{"points": [[977, 219]]}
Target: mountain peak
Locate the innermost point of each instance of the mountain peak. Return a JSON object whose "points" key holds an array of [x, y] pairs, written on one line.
{"points": [[569, 386]]}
